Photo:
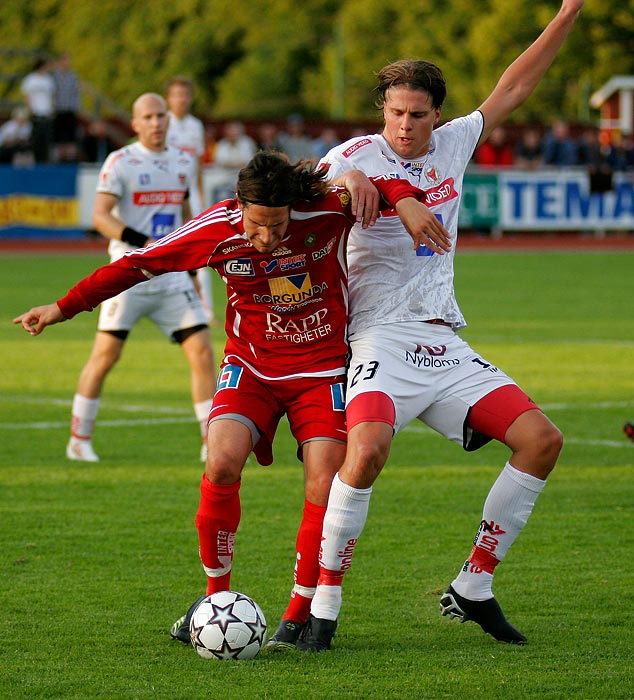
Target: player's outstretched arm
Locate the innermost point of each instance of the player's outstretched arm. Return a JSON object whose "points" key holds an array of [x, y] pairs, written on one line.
{"points": [[523, 75], [365, 198], [35, 320], [423, 226]]}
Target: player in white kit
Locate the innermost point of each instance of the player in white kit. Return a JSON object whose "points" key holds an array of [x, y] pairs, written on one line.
{"points": [[407, 361], [187, 132], [141, 197]]}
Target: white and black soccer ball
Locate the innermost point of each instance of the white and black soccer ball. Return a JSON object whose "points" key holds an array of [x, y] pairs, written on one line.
{"points": [[227, 625]]}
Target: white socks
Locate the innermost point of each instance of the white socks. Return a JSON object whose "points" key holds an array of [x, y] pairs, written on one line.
{"points": [[506, 511], [84, 416], [343, 523], [202, 410]]}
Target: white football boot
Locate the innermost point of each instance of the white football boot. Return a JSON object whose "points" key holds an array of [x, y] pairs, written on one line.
{"points": [[81, 450]]}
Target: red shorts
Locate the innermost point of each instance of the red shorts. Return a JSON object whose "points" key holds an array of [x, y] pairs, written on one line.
{"points": [[494, 413], [315, 406]]}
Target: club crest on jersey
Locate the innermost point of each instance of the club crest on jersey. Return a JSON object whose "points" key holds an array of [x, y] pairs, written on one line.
{"points": [[182, 178], [432, 175], [144, 179], [310, 239]]}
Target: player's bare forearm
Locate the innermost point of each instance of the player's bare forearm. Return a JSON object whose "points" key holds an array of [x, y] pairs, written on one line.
{"points": [[423, 226], [36, 319], [103, 220], [365, 198]]}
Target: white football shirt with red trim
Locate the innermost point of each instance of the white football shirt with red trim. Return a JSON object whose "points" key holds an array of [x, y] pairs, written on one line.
{"points": [[389, 281], [151, 188]]}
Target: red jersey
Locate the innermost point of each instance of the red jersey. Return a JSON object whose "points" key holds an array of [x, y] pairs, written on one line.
{"points": [[287, 310]]}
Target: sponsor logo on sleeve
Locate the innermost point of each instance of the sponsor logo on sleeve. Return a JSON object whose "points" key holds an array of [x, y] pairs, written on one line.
{"points": [[355, 147]]}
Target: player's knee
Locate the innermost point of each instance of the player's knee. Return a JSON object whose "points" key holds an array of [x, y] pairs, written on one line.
{"points": [[552, 442], [102, 361], [222, 467], [368, 450], [537, 442]]}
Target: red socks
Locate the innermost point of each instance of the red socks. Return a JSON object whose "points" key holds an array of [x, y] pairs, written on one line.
{"points": [[217, 521], [307, 563]]}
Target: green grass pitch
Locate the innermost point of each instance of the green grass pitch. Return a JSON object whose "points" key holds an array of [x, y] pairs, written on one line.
{"points": [[98, 560]]}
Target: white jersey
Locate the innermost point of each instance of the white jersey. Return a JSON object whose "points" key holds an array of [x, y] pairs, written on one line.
{"points": [[389, 281], [188, 134], [151, 188]]}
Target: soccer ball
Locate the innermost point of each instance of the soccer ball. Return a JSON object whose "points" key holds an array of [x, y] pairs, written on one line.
{"points": [[227, 625]]}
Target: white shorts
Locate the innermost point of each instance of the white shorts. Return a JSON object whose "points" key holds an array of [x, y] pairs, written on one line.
{"points": [[427, 370], [171, 311]]}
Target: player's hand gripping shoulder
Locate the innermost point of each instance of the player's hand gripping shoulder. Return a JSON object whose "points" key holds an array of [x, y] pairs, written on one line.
{"points": [[365, 198], [423, 226], [35, 320]]}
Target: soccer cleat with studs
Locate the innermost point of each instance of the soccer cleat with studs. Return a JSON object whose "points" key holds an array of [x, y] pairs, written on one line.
{"points": [[316, 634], [180, 629], [80, 450], [285, 636], [487, 613]]}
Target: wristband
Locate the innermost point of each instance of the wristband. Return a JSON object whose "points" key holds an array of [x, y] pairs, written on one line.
{"points": [[129, 235]]}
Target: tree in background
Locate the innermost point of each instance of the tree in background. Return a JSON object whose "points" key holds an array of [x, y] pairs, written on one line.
{"points": [[269, 58]]}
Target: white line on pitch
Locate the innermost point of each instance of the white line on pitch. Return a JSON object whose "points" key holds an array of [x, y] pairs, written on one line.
{"points": [[131, 408], [110, 423]]}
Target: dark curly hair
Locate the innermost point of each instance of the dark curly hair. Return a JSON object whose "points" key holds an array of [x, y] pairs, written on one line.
{"points": [[271, 180], [416, 75]]}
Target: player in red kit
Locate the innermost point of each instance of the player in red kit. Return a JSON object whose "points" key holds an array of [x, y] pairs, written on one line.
{"points": [[280, 249]]}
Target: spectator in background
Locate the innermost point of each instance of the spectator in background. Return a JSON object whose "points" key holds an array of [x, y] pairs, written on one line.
{"points": [[268, 139], [624, 146], [324, 142], [235, 149], [559, 147], [67, 108], [529, 152], [38, 88], [97, 142], [496, 150], [600, 158], [15, 139], [209, 156], [296, 143]]}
